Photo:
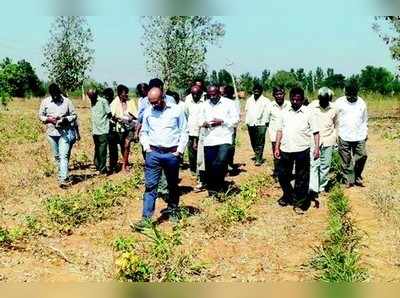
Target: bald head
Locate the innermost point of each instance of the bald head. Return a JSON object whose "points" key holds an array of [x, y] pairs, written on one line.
{"points": [[213, 94], [196, 92], [156, 98]]}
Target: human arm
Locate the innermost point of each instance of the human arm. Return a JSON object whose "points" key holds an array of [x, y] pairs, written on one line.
{"points": [[184, 137], [277, 149]]}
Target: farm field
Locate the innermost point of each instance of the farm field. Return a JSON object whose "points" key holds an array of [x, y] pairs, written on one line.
{"points": [[83, 233]]}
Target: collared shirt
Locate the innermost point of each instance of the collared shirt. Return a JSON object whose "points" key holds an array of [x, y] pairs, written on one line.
{"points": [[326, 119], [224, 110], [118, 111], [63, 108], [274, 113], [192, 112], [166, 128], [257, 111], [144, 104], [100, 119], [297, 129], [352, 118]]}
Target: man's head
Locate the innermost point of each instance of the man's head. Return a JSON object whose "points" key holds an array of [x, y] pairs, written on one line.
{"points": [[296, 98], [257, 91], [196, 93], [108, 93], [213, 94], [229, 92], [174, 95], [351, 91], [142, 89], [156, 98], [122, 92], [222, 90], [278, 92], [200, 83], [156, 83], [325, 95], [92, 94], [55, 92]]}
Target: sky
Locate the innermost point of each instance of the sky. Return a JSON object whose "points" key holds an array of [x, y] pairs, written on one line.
{"points": [[251, 43]]}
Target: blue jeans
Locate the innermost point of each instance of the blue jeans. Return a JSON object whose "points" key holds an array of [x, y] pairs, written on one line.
{"points": [[156, 161], [216, 160], [61, 148]]}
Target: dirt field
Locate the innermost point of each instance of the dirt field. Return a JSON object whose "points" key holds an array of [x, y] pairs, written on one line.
{"points": [[276, 245]]}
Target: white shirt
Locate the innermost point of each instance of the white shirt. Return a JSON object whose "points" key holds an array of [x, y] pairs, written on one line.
{"points": [[257, 111], [297, 129], [352, 119], [274, 113], [224, 110], [326, 119], [192, 111]]}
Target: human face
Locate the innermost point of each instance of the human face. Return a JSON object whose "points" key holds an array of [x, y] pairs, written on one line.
{"points": [[257, 93], [157, 103], [196, 94], [297, 101], [213, 95], [123, 96], [324, 101], [279, 97]]}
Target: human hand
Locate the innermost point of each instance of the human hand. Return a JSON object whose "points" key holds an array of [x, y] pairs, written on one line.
{"points": [[277, 153], [216, 122], [316, 153], [52, 120]]}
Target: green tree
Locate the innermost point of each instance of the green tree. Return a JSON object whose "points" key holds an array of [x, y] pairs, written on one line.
{"points": [[335, 81], [175, 47], [286, 79], [388, 28], [246, 82], [318, 78], [214, 78], [376, 79], [301, 77], [68, 56], [309, 82], [224, 78], [265, 79]]}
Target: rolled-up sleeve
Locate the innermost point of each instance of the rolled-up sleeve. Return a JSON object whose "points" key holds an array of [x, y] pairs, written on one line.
{"points": [[43, 111], [314, 123], [184, 136], [72, 116]]}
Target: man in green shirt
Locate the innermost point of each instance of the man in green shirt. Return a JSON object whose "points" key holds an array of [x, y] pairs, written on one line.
{"points": [[101, 114]]}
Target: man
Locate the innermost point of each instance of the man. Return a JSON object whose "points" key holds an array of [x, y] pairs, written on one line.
{"points": [[124, 115], [108, 94], [296, 127], [353, 134], [325, 114], [101, 114], [257, 122], [275, 110], [164, 137], [193, 106], [219, 117], [58, 113], [229, 92]]}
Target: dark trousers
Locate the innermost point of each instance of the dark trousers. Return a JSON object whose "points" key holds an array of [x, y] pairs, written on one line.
{"points": [[299, 194], [116, 139], [276, 161], [257, 140], [100, 152], [232, 154], [353, 156], [156, 162], [216, 162], [192, 153]]}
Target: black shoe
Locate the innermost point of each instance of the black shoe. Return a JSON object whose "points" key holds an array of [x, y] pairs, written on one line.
{"points": [[141, 225], [258, 163], [359, 182], [283, 202]]}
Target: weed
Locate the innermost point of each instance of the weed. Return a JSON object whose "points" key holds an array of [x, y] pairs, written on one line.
{"points": [[5, 238], [124, 244]]}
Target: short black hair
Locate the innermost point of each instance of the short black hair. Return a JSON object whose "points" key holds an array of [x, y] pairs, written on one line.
{"points": [[351, 88], [277, 88], [174, 94], [156, 82], [54, 90], [229, 91], [108, 93], [142, 89], [297, 91], [121, 89], [258, 87]]}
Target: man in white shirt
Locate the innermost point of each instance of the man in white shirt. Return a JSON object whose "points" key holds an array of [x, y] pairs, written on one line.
{"points": [[219, 117], [297, 126], [229, 92], [193, 105], [353, 133], [326, 115], [275, 110], [257, 121]]}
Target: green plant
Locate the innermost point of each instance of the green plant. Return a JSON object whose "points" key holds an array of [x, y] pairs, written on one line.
{"points": [[124, 244], [5, 238]]}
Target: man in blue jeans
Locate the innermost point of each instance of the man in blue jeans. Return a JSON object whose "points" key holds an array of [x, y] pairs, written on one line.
{"points": [[58, 113], [164, 138]]}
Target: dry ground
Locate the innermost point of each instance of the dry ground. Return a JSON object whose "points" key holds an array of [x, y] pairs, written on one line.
{"points": [[276, 246]]}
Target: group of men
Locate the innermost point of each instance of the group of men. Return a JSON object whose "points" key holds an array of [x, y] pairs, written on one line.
{"points": [[205, 122]]}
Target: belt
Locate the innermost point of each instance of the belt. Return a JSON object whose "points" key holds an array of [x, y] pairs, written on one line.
{"points": [[164, 149]]}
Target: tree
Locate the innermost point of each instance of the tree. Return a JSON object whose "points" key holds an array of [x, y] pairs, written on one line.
{"points": [[309, 80], [265, 81], [318, 78], [214, 78], [301, 77], [68, 56], [388, 28], [376, 79], [246, 82], [224, 78], [175, 47], [286, 79], [335, 81]]}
